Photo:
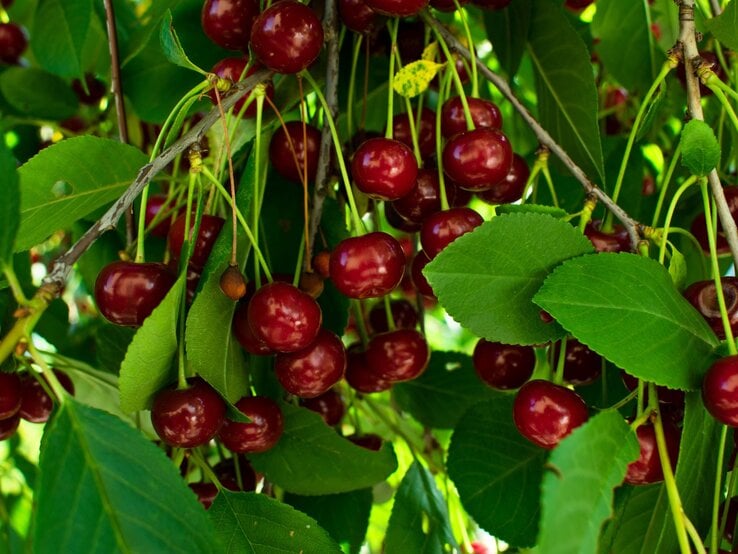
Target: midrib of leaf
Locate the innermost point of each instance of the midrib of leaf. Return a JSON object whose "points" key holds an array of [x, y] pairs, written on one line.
{"points": [[33, 209], [503, 476], [71, 33], [238, 522]]}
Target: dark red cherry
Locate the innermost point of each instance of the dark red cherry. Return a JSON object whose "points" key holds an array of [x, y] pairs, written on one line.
{"points": [[483, 113], [713, 61], [398, 222], [9, 426], [10, 395], [400, 355], [423, 200], [287, 37], [368, 441], [283, 317], [189, 417], [397, 8], [577, 5], [410, 39], [545, 413], [647, 468], [477, 160], [426, 131], [243, 333], [446, 5], [36, 405], [226, 472], [368, 266], [12, 43], [206, 493], [286, 145], [95, 92], [503, 366], [420, 260], [703, 296], [442, 228], [720, 390], [228, 22], [361, 377], [232, 69], [403, 313], [491, 4], [581, 365], [261, 434], [616, 241], [384, 169], [126, 293], [154, 205], [329, 405], [207, 234], [666, 395], [359, 17], [511, 188], [313, 370]]}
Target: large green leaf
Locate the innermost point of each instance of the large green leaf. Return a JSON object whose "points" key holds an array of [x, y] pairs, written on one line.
{"points": [[567, 95], [59, 32], [249, 523], [625, 308], [70, 180], [486, 279], [311, 459], [634, 508], [419, 522], [577, 495], [725, 26], [104, 488], [9, 205], [508, 31], [172, 46], [35, 93], [141, 34], [630, 57], [440, 396], [497, 472]]}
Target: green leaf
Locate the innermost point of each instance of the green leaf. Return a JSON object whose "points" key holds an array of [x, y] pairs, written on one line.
{"points": [[109, 495], [249, 523], [678, 268], [630, 57], [530, 209], [148, 367], [111, 344], [70, 180], [567, 95], [497, 472], [141, 36], [508, 31], [311, 458], [9, 205], [700, 148], [653, 110], [172, 47], [440, 396], [35, 93], [725, 26], [59, 32], [345, 516], [577, 495], [625, 308], [634, 507], [419, 520], [486, 279]]}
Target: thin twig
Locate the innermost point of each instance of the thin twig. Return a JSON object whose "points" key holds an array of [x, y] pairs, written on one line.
{"points": [[632, 226]]}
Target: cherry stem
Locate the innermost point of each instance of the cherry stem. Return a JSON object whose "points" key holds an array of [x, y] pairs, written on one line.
{"points": [[549, 182], [393, 25], [410, 118], [695, 536], [360, 323], [207, 471], [726, 506], [714, 535], [445, 82], [529, 190], [388, 312], [304, 175], [718, 92], [472, 51], [352, 84], [298, 267], [585, 216], [558, 376], [670, 214], [666, 182], [257, 176], [640, 408], [712, 81], [628, 398], [14, 284], [49, 379]]}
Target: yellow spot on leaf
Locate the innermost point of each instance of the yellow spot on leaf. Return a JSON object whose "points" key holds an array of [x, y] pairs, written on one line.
{"points": [[414, 78]]}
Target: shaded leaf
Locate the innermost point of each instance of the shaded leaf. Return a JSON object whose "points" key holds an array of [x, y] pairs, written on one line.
{"points": [[725, 26], [59, 32], [530, 208], [508, 32], [172, 47], [9, 205], [35, 93], [700, 148]]}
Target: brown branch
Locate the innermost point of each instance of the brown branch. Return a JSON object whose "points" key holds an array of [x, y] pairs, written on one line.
{"points": [[632, 226]]}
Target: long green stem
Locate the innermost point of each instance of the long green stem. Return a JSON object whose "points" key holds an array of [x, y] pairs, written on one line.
{"points": [[393, 26], [670, 214], [352, 84], [257, 179], [665, 184], [14, 284], [726, 105], [714, 534], [472, 51], [443, 91]]}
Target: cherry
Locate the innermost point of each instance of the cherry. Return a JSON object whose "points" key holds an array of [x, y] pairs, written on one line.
{"points": [[647, 468], [368, 441], [206, 493], [503, 366], [410, 38], [9, 426], [384, 169], [484, 114], [416, 271], [283, 317], [397, 8], [207, 234], [666, 395], [426, 131], [478, 159], [423, 200], [126, 293], [511, 188], [720, 390], [398, 222], [358, 17], [259, 435], [581, 365], [403, 314], [321, 264], [232, 69], [10, 395], [400, 355], [228, 22], [442, 228], [545, 413], [616, 241], [329, 405], [712, 60], [361, 377], [96, 90], [189, 417], [154, 205], [313, 370], [577, 5], [703, 296], [281, 150], [368, 266], [243, 333], [226, 473], [36, 404], [616, 98], [12, 43], [446, 5], [287, 37]]}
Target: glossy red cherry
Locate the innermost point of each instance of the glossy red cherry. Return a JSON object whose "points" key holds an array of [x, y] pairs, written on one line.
{"points": [[503, 366], [713, 61], [283, 317], [126, 293], [206, 493], [368, 266], [9, 426], [477, 160], [228, 22], [10, 395], [232, 69], [154, 205], [329, 405], [207, 234], [384, 169], [410, 39], [703, 296], [511, 188], [189, 417], [403, 314], [12, 43], [261, 434], [545, 413], [647, 468], [720, 390], [228, 476], [420, 260], [313, 370], [368, 441], [95, 92], [400, 355], [244, 334], [396, 221], [423, 200], [425, 129], [281, 150], [361, 377], [616, 241], [581, 365], [36, 405], [442, 228], [287, 37], [397, 8], [483, 113], [360, 18]]}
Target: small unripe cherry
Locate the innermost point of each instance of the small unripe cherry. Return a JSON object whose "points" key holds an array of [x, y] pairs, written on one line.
{"points": [[233, 283]]}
